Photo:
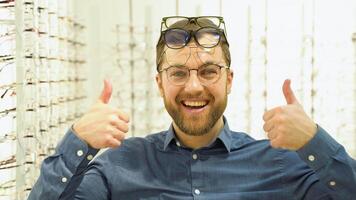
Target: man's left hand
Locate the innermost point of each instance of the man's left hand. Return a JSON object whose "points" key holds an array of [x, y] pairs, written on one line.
{"points": [[288, 126]]}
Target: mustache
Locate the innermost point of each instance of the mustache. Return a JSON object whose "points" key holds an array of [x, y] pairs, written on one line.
{"points": [[186, 96]]}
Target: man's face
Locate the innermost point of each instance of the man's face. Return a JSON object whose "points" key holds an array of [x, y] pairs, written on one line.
{"points": [[195, 108]]}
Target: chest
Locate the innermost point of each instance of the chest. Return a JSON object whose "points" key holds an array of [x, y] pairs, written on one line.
{"points": [[198, 176]]}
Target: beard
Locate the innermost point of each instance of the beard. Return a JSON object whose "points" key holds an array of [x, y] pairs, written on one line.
{"points": [[196, 124]]}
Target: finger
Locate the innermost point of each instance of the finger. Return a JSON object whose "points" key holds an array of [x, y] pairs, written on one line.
{"points": [[113, 143], [270, 113], [119, 124], [277, 142], [268, 126], [106, 92], [272, 135], [119, 135], [120, 114], [123, 116], [288, 93]]}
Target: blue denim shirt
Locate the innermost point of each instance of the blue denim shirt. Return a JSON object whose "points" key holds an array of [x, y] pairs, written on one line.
{"points": [[235, 166]]}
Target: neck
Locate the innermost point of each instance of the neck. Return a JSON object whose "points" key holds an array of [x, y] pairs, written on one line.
{"points": [[196, 142]]}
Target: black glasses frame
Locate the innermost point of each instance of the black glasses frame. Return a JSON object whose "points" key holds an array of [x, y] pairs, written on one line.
{"points": [[196, 20], [192, 34], [189, 19]]}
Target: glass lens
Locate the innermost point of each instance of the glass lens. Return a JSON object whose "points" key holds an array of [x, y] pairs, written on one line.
{"points": [[209, 73], [208, 22], [176, 22], [176, 38], [177, 75], [208, 37]]}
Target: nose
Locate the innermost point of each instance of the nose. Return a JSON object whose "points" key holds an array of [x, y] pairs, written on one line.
{"points": [[193, 84]]}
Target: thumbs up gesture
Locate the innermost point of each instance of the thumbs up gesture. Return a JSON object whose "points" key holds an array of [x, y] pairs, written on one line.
{"points": [[288, 126], [103, 125]]}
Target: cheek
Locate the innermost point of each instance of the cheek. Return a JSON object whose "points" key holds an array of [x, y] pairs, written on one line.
{"points": [[170, 93], [219, 93], [219, 90]]}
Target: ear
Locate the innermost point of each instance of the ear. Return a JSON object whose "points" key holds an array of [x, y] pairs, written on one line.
{"points": [[230, 77], [159, 84]]}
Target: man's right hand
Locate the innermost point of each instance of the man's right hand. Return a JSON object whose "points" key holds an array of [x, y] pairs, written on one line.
{"points": [[103, 126]]}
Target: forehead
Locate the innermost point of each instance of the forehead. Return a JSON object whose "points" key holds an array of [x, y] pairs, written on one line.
{"points": [[193, 54]]}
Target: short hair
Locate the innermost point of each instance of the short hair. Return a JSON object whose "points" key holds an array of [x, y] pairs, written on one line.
{"points": [[192, 27]]}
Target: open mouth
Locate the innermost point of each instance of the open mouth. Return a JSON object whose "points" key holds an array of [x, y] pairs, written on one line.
{"points": [[195, 104]]}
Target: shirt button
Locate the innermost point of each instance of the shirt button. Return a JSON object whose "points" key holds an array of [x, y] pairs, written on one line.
{"points": [[64, 180], [79, 153], [311, 158], [332, 183], [195, 156], [197, 192], [90, 157], [177, 143]]}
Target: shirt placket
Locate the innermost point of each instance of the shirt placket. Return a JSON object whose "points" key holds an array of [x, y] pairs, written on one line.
{"points": [[196, 173]]}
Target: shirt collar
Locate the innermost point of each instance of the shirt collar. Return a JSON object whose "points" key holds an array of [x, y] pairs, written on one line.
{"points": [[224, 136]]}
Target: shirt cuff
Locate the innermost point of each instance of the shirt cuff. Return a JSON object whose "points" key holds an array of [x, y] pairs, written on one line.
{"points": [[74, 151], [319, 150]]}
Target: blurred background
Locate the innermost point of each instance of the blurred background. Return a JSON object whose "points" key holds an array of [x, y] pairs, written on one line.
{"points": [[55, 54]]}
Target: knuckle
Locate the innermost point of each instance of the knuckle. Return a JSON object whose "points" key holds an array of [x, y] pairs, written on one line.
{"points": [[119, 135], [124, 116], [279, 109], [265, 127], [111, 119], [124, 127], [107, 139]]}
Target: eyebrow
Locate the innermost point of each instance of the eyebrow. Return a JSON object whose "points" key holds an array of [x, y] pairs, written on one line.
{"points": [[206, 63], [177, 65]]}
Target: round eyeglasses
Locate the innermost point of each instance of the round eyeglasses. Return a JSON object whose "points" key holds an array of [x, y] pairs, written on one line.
{"points": [[207, 74]]}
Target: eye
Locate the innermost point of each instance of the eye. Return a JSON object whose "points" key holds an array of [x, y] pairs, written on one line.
{"points": [[177, 73], [209, 72]]}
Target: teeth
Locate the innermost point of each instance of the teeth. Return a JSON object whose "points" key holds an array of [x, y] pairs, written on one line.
{"points": [[195, 103]]}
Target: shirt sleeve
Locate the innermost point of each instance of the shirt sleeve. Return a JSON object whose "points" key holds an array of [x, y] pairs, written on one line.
{"points": [[93, 187], [62, 172], [335, 169]]}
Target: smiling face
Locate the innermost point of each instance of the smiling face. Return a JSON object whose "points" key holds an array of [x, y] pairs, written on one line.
{"points": [[195, 108]]}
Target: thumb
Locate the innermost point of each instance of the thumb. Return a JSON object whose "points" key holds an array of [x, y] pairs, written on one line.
{"points": [[106, 92], [288, 93]]}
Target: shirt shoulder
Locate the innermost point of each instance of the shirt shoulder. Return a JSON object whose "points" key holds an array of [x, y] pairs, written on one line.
{"points": [[241, 140], [288, 162], [262, 151]]}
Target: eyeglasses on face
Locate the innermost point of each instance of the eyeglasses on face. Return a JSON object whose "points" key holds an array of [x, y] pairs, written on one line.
{"points": [[207, 74]]}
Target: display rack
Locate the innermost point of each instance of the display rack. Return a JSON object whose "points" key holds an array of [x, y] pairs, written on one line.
{"points": [[43, 73]]}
